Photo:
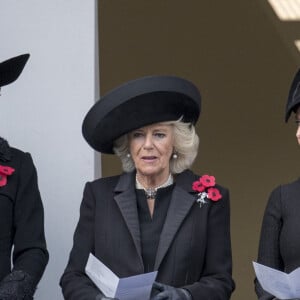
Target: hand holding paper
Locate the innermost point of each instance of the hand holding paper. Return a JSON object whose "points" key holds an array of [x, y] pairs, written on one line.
{"points": [[168, 292]]}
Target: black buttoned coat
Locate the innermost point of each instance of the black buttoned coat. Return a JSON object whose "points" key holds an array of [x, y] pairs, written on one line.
{"points": [[194, 250], [21, 217]]}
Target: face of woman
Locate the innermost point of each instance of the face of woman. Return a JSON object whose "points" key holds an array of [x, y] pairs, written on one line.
{"points": [[298, 124], [151, 148]]}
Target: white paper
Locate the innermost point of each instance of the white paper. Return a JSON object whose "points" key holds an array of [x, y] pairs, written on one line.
{"points": [[278, 283], [102, 276], [127, 288]]}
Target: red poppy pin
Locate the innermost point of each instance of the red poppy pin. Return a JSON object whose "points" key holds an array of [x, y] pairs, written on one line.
{"points": [[4, 172], [205, 186]]}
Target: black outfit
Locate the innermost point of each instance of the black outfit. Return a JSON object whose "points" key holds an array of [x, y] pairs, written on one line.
{"points": [[192, 244], [21, 227], [151, 227], [279, 246]]}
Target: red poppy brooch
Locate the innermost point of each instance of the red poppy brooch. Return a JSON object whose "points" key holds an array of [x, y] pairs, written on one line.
{"points": [[205, 186], [4, 172]]}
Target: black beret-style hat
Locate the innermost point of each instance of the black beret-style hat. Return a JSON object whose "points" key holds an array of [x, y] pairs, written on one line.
{"points": [[294, 96], [138, 103], [11, 69]]}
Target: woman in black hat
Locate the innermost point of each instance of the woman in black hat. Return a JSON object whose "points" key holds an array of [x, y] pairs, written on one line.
{"points": [[279, 246], [21, 212], [157, 215]]}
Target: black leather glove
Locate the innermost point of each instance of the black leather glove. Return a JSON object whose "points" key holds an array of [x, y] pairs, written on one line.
{"points": [[18, 285], [102, 297], [166, 292]]}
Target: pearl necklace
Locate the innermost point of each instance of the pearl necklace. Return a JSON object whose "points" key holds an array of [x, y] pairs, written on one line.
{"points": [[151, 192]]}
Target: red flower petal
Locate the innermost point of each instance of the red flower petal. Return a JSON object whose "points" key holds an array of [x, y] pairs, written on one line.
{"points": [[6, 170], [198, 187], [207, 180], [3, 180], [214, 194]]}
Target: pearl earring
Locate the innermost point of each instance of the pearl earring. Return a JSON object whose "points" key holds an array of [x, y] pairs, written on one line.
{"points": [[175, 156], [128, 155]]}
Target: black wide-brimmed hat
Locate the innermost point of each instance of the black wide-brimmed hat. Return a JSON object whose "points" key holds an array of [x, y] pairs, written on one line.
{"points": [[11, 69], [294, 96], [138, 103]]}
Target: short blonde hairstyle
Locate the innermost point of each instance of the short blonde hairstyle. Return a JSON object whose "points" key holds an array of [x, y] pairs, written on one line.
{"points": [[186, 142]]}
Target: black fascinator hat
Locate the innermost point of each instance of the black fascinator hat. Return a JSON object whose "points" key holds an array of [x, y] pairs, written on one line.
{"points": [[294, 96], [138, 103], [11, 69]]}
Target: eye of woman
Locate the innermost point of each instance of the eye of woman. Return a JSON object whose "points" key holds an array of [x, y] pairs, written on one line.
{"points": [[137, 134], [159, 134]]}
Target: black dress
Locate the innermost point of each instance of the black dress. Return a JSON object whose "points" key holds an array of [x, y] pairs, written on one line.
{"points": [[21, 226], [151, 227], [279, 245]]}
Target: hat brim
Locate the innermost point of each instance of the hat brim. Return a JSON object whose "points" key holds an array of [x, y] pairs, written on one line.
{"points": [[11, 69], [139, 103], [294, 96]]}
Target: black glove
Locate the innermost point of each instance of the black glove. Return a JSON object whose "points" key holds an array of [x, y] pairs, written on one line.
{"points": [[166, 292], [18, 285], [102, 297]]}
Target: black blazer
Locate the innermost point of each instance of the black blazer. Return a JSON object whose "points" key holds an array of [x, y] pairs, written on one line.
{"points": [[21, 217], [279, 245], [194, 249]]}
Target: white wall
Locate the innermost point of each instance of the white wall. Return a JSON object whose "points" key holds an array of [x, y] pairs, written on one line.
{"points": [[43, 110]]}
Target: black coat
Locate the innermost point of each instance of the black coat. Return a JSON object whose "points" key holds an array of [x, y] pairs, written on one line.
{"points": [[279, 245], [194, 249], [21, 217]]}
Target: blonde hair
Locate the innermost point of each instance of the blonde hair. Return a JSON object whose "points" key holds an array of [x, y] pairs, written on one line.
{"points": [[186, 142]]}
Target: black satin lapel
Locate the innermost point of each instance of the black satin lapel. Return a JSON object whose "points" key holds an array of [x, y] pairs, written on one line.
{"points": [[180, 205], [127, 203]]}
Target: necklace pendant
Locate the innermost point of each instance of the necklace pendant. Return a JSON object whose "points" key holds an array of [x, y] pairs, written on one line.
{"points": [[150, 193]]}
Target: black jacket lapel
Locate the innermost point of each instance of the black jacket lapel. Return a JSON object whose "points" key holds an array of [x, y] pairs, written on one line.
{"points": [[182, 200], [125, 197]]}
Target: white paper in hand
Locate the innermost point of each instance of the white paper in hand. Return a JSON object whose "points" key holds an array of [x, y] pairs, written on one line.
{"points": [[278, 283], [128, 288]]}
